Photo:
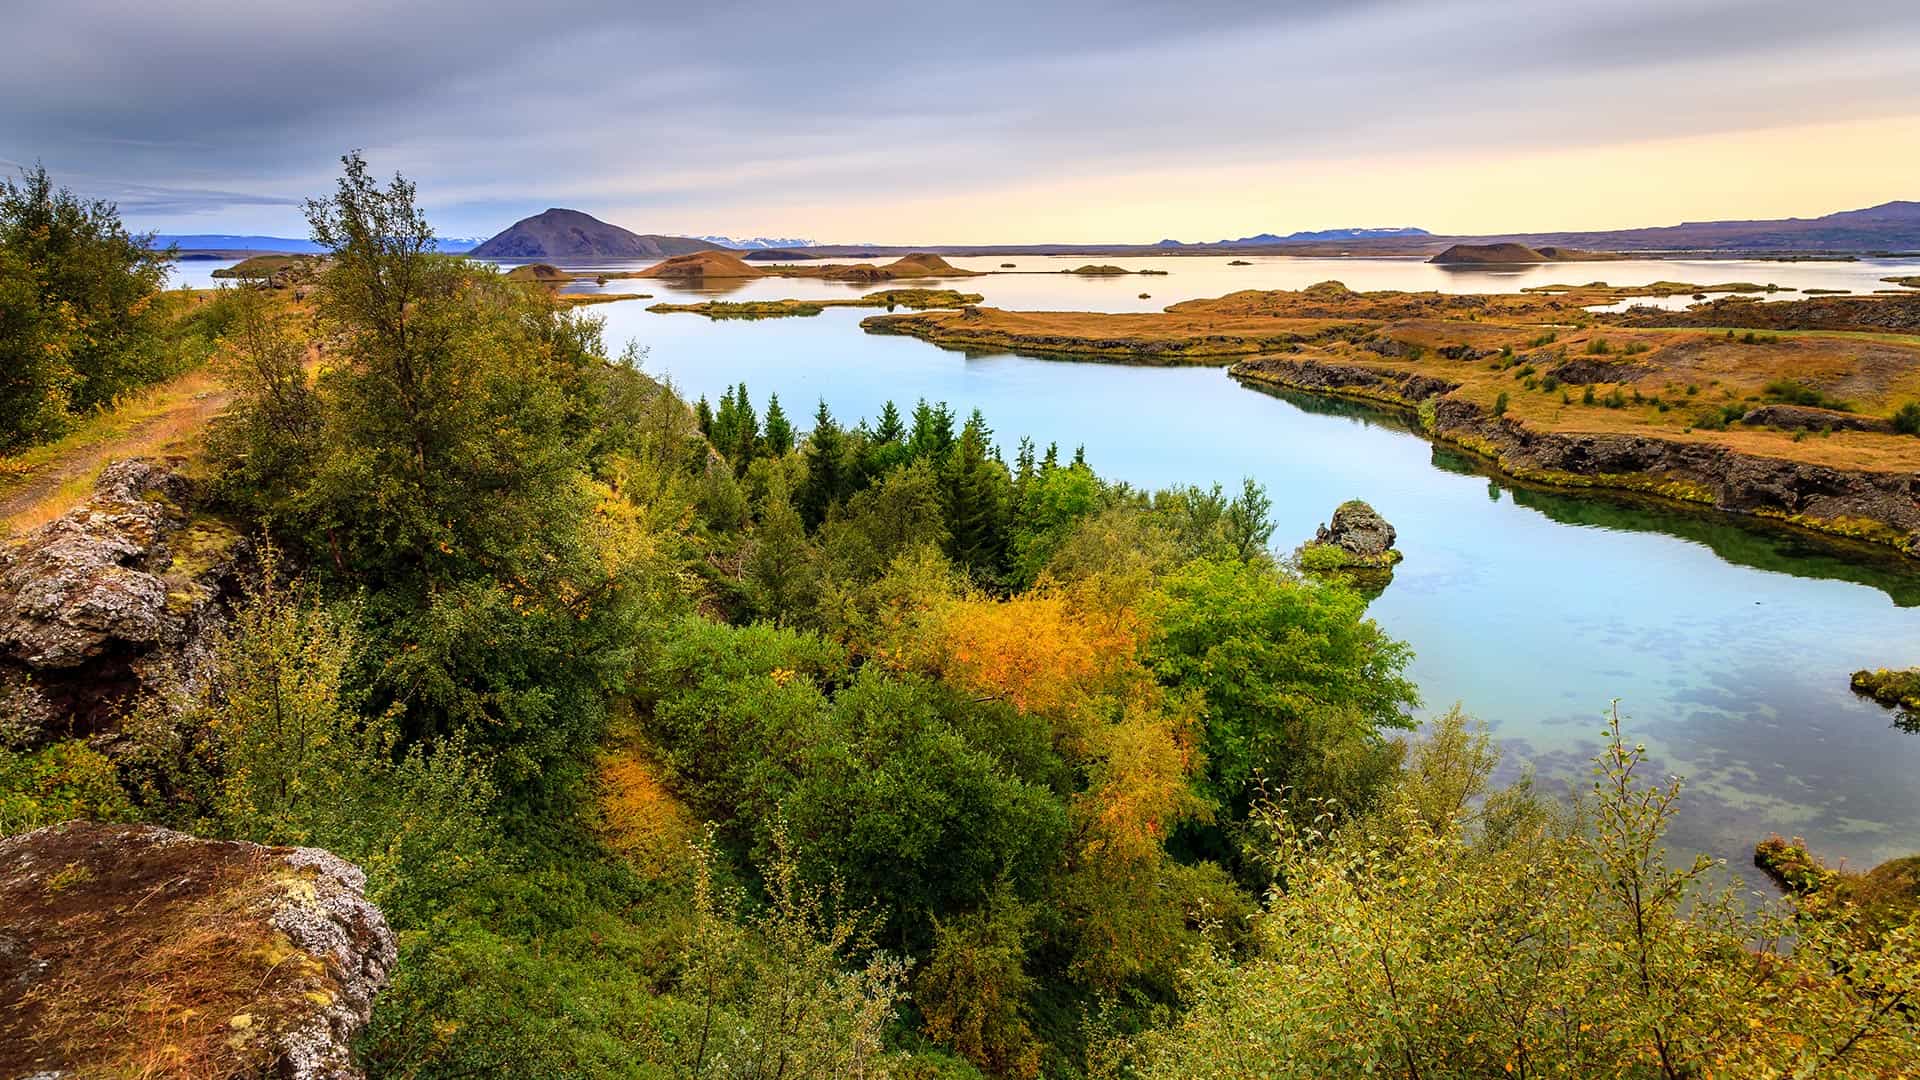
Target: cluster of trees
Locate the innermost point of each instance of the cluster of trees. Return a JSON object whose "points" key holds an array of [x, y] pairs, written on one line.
{"points": [[82, 315], [678, 743]]}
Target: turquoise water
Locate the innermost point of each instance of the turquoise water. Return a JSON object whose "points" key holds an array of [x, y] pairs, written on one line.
{"points": [[1728, 646]]}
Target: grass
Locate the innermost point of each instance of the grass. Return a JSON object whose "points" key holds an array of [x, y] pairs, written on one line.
{"points": [[44, 482]]}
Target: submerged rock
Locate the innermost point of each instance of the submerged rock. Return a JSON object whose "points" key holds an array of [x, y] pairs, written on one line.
{"points": [[133, 950], [120, 596]]}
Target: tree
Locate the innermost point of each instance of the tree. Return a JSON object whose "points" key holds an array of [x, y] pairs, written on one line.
{"points": [[269, 441], [1297, 683], [1248, 522], [778, 568], [1457, 932], [827, 479], [779, 437], [977, 491], [465, 421], [932, 434], [80, 311]]}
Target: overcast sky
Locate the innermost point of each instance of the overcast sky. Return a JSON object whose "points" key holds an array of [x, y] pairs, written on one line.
{"points": [[982, 121]]}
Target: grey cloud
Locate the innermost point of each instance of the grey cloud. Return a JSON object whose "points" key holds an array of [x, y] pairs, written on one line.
{"points": [[191, 110]]}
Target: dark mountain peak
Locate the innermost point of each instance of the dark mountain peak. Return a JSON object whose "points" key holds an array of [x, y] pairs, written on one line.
{"points": [[561, 233]]}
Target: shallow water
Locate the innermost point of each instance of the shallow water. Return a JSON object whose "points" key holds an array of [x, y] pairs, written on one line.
{"points": [[1729, 645]]}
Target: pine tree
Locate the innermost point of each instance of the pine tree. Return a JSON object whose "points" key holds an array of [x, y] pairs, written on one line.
{"points": [[977, 489], [746, 439], [889, 429], [826, 469], [932, 433], [779, 433], [703, 413]]}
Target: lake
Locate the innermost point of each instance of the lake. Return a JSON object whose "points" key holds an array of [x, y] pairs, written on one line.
{"points": [[1728, 645]]}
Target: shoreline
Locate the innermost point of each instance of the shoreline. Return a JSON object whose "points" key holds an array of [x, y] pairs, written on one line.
{"points": [[1691, 475]]}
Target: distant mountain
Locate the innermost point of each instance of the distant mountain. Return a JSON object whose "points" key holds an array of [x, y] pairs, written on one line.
{"points": [[758, 243], [1324, 235], [280, 245], [570, 234], [1891, 226]]}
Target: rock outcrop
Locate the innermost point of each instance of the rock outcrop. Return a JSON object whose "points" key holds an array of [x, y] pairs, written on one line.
{"points": [[121, 596], [1357, 538], [1359, 530], [132, 950], [1877, 506]]}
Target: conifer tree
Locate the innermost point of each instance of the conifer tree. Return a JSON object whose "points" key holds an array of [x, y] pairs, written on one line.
{"points": [[826, 469], [779, 432]]}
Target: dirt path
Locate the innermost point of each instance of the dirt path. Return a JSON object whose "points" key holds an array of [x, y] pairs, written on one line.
{"points": [[50, 480]]}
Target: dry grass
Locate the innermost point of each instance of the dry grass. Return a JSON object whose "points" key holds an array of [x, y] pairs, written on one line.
{"points": [[44, 482], [164, 965]]}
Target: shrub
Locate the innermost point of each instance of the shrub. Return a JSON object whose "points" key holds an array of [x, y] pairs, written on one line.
{"points": [[1906, 419], [1586, 396], [1635, 348], [1598, 347], [1500, 404]]}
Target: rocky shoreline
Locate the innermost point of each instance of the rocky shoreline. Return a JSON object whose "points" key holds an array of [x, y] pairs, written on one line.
{"points": [[1879, 507]]}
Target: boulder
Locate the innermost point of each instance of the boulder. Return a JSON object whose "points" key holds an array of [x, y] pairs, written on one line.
{"points": [[121, 596], [131, 950], [1359, 530]]}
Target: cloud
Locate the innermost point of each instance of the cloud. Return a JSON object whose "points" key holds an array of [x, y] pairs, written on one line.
{"points": [[763, 117]]}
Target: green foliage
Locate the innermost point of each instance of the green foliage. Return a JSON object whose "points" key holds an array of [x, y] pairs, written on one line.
{"points": [[1906, 419], [1455, 933], [1500, 404], [58, 782], [974, 987], [82, 318], [1798, 393], [1296, 682]]}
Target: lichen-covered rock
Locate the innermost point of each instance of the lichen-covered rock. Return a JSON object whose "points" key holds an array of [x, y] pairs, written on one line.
{"points": [[119, 596], [1357, 536], [132, 950]]}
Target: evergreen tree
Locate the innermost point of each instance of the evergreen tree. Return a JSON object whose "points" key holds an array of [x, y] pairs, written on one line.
{"points": [[746, 438], [1052, 460], [889, 429], [778, 568], [977, 492], [826, 468], [779, 432], [932, 434], [724, 432], [703, 413]]}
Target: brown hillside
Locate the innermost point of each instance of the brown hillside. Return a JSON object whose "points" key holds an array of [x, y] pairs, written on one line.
{"points": [[703, 264], [1489, 254]]}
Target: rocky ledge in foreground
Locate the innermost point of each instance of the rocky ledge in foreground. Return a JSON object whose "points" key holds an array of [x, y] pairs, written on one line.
{"points": [[128, 950], [119, 597]]}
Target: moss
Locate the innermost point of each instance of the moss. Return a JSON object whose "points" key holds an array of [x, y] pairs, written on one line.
{"points": [[1318, 557], [1895, 688]]}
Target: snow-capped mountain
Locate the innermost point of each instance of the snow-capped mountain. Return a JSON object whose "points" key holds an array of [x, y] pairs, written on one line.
{"points": [[758, 242]]}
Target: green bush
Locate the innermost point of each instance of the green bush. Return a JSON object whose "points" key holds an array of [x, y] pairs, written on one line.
{"points": [[1906, 419]]}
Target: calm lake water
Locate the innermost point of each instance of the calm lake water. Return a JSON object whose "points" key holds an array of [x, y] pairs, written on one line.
{"points": [[1728, 645]]}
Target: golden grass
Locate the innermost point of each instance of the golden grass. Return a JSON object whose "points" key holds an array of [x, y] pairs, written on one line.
{"points": [[40, 484]]}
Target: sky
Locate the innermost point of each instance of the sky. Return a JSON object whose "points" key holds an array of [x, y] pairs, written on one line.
{"points": [[983, 122]]}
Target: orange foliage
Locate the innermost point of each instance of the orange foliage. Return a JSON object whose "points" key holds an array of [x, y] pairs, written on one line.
{"points": [[640, 819], [1140, 788], [1041, 651]]}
